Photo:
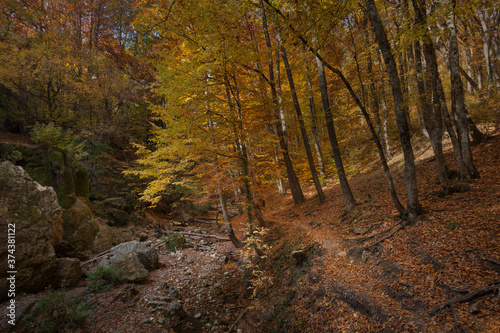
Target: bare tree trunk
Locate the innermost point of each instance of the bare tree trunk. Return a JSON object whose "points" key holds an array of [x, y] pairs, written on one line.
{"points": [[458, 99], [383, 105], [339, 165], [307, 146], [401, 111], [298, 196], [431, 120], [314, 126]]}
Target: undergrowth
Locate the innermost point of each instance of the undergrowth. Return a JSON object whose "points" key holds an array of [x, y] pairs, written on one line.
{"points": [[102, 278], [57, 312]]}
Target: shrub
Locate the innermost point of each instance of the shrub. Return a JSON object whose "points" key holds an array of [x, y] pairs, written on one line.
{"points": [[103, 278], [57, 312]]}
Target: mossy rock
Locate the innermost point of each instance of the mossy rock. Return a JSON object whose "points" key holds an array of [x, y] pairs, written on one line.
{"points": [[177, 242], [80, 228], [81, 178]]}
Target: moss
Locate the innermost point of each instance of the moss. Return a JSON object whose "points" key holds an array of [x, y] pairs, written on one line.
{"points": [[174, 243], [81, 178], [79, 227], [56, 158]]}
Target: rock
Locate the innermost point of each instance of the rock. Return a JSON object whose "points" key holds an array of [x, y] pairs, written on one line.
{"points": [[144, 251], [65, 249], [315, 224], [130, 269], [474, 309], [79, 226], [116, 202], [67, 273], [197, 315], [107, 237], [117, 217], [174, 313], [142, 236], [113, 210], [172, 293], [36, 214], [299, 256]]}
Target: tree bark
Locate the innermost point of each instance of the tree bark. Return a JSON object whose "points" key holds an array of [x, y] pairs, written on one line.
{"points": [[339, 165], [458, 98], [314, 126], [401, 111], [305, 139], [298, 196]]}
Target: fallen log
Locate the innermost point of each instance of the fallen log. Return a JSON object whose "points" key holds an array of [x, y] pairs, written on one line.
{"points": [[167, 232]]}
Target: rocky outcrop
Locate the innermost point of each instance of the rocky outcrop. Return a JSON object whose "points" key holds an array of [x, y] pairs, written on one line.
{"points": [[113, 210], [35, 212], [107, 237]]}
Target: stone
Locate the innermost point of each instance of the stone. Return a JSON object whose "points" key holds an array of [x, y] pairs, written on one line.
{"points": [[144, 251], [80, 228], [116, 202], [107, 237], [117, 217], [67, 273], [35, 212], [130, 269], [174, 313], [65, 249], [197, 315], [299, 256]]}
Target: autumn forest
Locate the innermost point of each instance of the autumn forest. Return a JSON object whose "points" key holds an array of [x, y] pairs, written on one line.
{"points": [[345, 151]]}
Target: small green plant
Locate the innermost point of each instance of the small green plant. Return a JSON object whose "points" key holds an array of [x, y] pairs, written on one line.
{"points": [[53, 136], [102, 278], [453, 225], [176, 242], [57, 312]]}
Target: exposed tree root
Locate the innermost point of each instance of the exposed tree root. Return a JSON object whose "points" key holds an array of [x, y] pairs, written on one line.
{"points": [[467, 298]]}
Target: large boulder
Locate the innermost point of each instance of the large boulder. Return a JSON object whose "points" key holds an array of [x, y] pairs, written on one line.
{"points": [[107, 237], [37, 216], [144, 251], [130, 269], [80, 228]]}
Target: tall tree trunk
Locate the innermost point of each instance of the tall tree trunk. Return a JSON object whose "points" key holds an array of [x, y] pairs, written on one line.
{"points": [[305, 139], [383, 105], [321, 63], [298, 196], [458, 98], [437, 86], [314, 126], [339, 165], [401, 111], [431, 120]]}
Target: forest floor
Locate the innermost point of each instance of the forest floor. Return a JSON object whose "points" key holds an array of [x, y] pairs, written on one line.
{"points": [[356, 272]]}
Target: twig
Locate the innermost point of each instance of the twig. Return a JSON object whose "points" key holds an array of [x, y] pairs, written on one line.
{"points": [[236, 321], [204, 221], [200, 246], [167, 232], [466, 298]]}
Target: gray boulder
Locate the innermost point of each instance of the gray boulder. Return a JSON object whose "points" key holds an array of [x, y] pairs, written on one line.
{"points": [[37, 216], [130, 269], [144, 251]]}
